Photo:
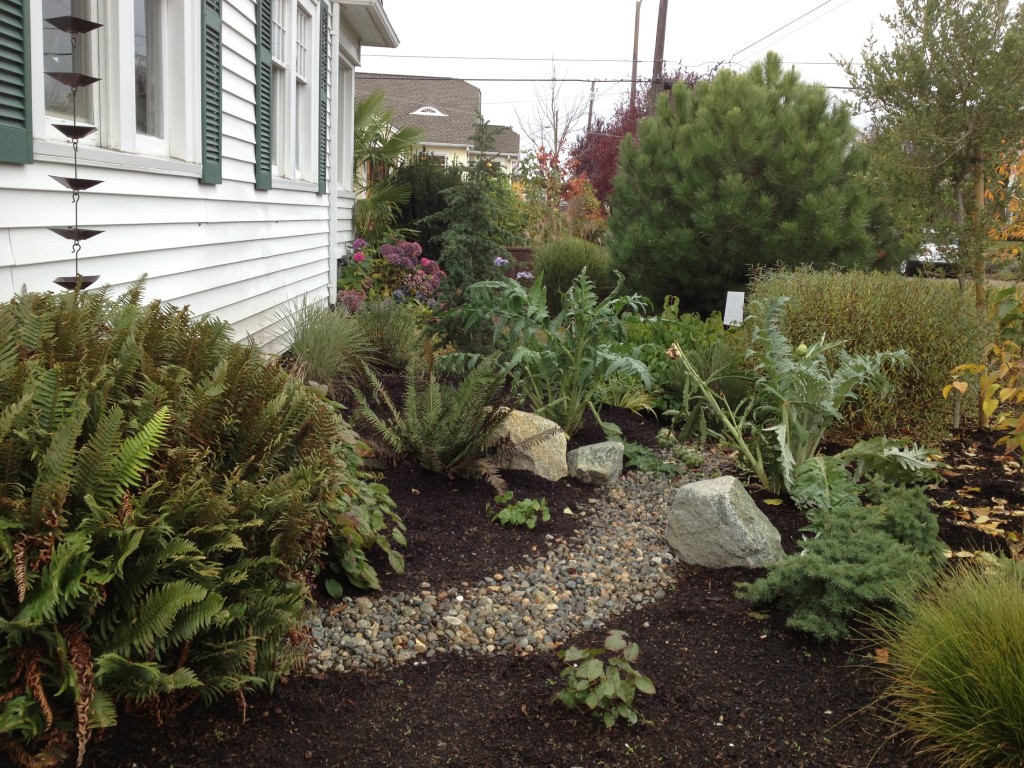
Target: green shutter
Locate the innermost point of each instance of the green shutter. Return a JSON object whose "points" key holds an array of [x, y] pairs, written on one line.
{"points": [[213, 92], [325, 68], [15, 83], [264, 94]]}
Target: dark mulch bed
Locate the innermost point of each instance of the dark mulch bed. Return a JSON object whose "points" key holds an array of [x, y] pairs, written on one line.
{"points": [[735, 688]]}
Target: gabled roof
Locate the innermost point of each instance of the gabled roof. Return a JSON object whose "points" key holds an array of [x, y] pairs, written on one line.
{"points": [[457, 101]]}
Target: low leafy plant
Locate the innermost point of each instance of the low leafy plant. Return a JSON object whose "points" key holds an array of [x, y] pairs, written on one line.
{"points": [[605, 687], [711, 349], [558, 364], [686, 455], [523, 512], [859, 557], [956, 665], [1001, 376], [446, 428]]}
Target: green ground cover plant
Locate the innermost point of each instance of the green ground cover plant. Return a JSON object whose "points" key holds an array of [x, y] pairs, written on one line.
{"points": [[859, 556], [603, 680], [956, 665], [165, 498]]}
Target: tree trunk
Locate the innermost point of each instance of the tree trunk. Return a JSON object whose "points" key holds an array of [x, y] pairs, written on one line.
{"points": [[979, 255], [978, 260]]}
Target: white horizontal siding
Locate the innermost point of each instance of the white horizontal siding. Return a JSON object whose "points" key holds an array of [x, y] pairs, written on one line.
{"points": [[230, 250]]}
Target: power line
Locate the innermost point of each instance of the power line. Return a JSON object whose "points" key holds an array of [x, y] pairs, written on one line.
{"points": [[787, 24], [616, 81]]}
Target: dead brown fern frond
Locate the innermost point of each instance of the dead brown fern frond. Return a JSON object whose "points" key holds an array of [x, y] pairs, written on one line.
{"points": [[80, 657], [20, 572]]}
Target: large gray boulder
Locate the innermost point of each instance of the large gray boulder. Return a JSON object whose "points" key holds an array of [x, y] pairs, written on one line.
{"points": [[716, 524], [538, 445], [597, 464]]}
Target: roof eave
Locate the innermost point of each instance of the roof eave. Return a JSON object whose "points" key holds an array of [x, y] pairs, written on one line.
{"points": [[371, 24]]}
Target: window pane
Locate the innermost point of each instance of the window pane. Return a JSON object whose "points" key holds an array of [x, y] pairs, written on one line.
{"points": [[303, 26], [149, 94], [58, 57], [277, 49]]}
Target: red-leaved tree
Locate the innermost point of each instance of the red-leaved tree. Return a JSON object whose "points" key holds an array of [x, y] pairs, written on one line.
{"points": [[596, 154]]}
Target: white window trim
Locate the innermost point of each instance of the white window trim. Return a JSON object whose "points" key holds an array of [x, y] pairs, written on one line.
{"points": [[114, 96]]}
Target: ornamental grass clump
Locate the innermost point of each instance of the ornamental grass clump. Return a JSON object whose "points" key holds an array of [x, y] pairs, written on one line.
{"points": [[956, 666], [329, 346], [166, 496]]}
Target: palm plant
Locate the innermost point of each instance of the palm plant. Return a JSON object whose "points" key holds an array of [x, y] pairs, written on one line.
{"points": [[379, 149]]}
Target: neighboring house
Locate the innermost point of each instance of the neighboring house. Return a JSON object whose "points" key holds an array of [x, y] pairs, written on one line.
{"points": [[224, 143], [448, 112]]}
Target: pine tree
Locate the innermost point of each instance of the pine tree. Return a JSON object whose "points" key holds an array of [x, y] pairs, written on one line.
{"points": [[747, 169]]}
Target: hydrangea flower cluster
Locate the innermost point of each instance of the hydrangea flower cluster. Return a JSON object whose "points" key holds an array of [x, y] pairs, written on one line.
{"points": [[402, 254], [425, 280], [397, 271]]}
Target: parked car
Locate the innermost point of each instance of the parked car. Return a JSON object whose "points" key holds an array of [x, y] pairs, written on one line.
{"points": [[930, 259]]}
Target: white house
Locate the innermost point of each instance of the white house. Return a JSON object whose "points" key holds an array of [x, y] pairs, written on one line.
{"points": [[223, 142]]}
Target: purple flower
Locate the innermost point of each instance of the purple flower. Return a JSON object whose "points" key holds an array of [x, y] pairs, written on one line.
{"points": [[358, 244], [500, 262], [524, 276]]}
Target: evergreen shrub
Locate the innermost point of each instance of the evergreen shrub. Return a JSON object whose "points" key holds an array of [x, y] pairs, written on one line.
{"points": [[165, 498], [561, 261], [745, 169], [956, 666], [935, 323], [860, 556]]}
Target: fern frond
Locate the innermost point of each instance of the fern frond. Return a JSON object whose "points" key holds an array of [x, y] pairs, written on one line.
{"points": [[154, 616]]}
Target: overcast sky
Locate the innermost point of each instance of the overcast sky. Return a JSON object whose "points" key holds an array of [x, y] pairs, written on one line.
{"points": [[593, 40]]}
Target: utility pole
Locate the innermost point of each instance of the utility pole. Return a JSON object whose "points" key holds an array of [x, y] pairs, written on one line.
{"points": [[636, 55], [590, 111], [659, 53]]}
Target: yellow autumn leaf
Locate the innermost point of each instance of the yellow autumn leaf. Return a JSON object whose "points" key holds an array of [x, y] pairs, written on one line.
{"points": [[773, 502], [988, 406]]}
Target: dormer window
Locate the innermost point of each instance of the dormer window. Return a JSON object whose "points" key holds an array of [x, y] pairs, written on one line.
{"points": [[431, 111]]}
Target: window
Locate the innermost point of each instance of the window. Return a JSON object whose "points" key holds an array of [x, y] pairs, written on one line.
{"points": [[289, 85], [149, 68], [431, 111], [133, 104], [59, 56], [292, 80]]}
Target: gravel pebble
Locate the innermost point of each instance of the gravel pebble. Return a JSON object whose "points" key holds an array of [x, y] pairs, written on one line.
{"points": [[618, 561]]}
